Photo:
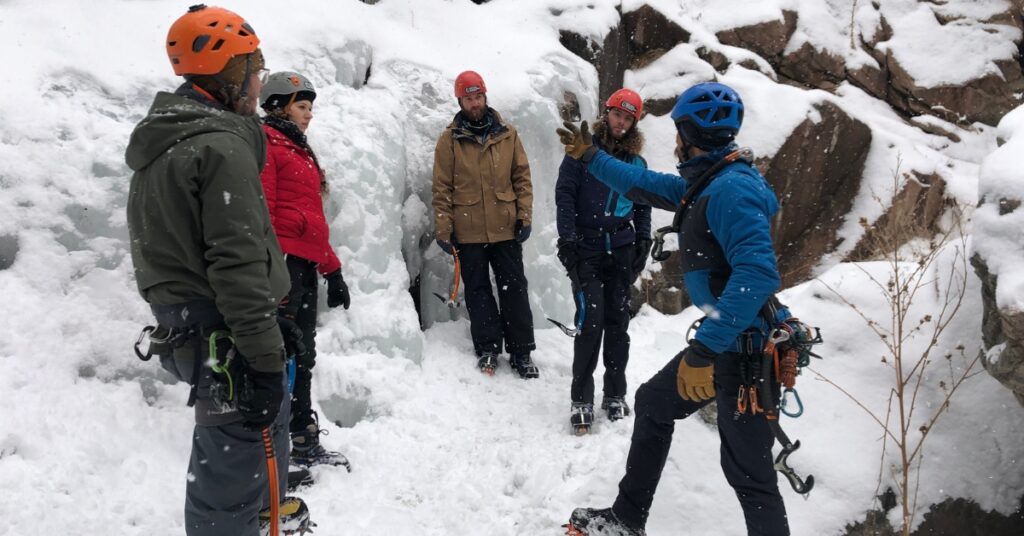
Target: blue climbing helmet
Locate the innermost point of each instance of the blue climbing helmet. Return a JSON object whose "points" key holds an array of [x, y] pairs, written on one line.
{"points": [[708, 115]]}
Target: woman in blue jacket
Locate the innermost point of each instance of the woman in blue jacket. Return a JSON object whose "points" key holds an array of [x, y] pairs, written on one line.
{"points": [[730, 273]]}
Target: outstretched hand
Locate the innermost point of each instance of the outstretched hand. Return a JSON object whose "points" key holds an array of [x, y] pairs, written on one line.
{"points": [[579, 143]]}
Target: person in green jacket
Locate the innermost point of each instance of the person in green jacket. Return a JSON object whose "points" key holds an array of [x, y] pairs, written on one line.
{"points": [[208, 263]]}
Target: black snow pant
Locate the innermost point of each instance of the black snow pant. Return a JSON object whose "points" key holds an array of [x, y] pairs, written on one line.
{"points": [[513, 324], [605, 280], [746, 449], [302, 304]]}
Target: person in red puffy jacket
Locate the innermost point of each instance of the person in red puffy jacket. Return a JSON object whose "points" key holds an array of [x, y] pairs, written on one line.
{"points": [[294, 185]]}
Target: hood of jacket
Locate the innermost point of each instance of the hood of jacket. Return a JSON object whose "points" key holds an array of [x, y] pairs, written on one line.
{"points": [[173, 118]]}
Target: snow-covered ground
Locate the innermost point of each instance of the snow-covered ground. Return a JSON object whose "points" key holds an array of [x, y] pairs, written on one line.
{"points": [[94, 442]]}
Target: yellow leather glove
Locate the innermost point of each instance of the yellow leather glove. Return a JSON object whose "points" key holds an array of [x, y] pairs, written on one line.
{"points": [[579, 143], [696, 373]]}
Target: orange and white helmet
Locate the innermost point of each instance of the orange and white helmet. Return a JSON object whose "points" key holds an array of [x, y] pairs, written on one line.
{"points": [[628, 101], [202, 41]]}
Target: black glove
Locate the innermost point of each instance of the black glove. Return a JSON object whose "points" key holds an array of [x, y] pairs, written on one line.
{"points": [[445, 246], [641, 249], [337, 290], [522, 231], [259, 399], [567, 254], [292, 335], [579, 143]]}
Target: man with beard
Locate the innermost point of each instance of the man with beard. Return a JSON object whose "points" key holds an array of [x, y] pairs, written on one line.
{"points": [[483, 203], [730, 273], [603, 242]]}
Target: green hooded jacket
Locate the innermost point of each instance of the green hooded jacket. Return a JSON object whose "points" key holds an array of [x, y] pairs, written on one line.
{"points": [[199, 224]]}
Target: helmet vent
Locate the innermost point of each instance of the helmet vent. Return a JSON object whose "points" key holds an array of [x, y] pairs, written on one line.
{"points": [[200, 42], [247, 28], [218, 44]]}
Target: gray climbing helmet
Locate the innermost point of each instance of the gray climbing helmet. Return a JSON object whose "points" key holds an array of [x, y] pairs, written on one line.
{"points": [[284, 88]]}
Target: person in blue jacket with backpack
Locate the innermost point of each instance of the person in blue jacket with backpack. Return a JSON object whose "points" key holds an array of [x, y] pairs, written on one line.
{"points": [[730, 273], [603, 242]]}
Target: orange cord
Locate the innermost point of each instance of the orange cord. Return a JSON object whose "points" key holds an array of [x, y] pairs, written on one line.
{"points": [[275, 494]]}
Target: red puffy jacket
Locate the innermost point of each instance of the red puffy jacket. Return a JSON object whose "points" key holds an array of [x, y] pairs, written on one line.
{"points": [[291, 183]]}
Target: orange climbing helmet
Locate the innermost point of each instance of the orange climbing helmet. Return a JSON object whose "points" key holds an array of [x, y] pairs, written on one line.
{"points": [[628, 101], [469, 83], [202, 41]]}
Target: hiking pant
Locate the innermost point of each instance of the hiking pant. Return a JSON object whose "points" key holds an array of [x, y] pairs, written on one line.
{"points": [[746, 449], [488, 326], [227, 481], [302, 300], [605, 280]]}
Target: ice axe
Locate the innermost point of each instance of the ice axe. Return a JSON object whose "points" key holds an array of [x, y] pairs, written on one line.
{"points": [[581, 304], [452, 300]]}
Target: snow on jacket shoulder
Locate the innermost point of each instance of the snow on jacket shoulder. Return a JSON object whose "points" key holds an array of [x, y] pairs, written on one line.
{"points": [[291, 183]]}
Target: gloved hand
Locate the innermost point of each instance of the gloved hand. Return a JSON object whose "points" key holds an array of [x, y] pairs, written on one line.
{"points": [[337, 290], [641, 249], [260, 396], [445, 246], [522, 231], [292, 335], [695, 376], [567, 254], [578, 142]]}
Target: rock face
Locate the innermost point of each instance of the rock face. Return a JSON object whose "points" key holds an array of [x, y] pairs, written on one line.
{"points": [[1001, 328], [642, 36], [816, 175]]}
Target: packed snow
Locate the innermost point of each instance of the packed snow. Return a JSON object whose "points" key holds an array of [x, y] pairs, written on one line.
{"points": [[93, 441]]}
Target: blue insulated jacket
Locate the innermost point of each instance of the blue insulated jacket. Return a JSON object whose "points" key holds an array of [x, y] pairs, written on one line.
{"points": [[600, 217], [725, 239]]}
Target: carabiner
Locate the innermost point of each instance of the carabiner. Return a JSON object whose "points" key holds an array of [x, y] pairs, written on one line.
{"points": [[799, 404]]}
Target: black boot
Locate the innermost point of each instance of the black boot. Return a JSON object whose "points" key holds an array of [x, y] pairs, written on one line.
{"points": [[525, 366], [293, 518], [307, 451], [616, 407], [582, 417], [488, 363], [299, 477], [604, 522]]}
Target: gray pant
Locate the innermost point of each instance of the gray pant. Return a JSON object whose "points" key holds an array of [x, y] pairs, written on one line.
{"points": [[227, 477], [227, 482]]}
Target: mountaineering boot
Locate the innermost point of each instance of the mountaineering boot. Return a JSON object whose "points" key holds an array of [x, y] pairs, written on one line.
{"points": [[293, 518], [525, 366], [298, 477], [582, 417], [616, 407], [488, 363], [593, 522], [307, 451]]}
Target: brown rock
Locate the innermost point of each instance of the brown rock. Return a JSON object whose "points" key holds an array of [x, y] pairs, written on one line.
{"points": [[659, 106], [1000, 327], [915, 212], [651, 35], [871, 79], [985, 100], [766, 39], [813, 68], [816, 175], [715, 59], [664, 291]]}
